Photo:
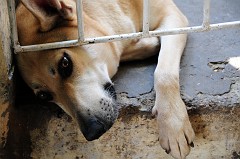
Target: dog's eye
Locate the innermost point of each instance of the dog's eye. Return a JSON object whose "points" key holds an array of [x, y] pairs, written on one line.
{"points": [[44, 96], [65, 62], [65, 66]]}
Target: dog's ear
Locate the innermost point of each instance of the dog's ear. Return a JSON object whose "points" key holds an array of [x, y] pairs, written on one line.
{"points": [[48, 12]]}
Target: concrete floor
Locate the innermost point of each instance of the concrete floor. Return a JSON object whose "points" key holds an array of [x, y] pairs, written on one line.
{"points": [[134, 135], [210, 86]]}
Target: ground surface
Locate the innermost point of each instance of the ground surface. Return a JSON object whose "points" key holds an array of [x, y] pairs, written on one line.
{"points": [[210, 86]]}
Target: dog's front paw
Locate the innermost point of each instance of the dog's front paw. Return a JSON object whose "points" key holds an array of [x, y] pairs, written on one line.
{"points": [[175, 131]]}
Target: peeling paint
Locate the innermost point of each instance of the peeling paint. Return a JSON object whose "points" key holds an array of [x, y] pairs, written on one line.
{"points": [[5, 67], [4, 115], [217, 66], [3, 123], [236, 155]]}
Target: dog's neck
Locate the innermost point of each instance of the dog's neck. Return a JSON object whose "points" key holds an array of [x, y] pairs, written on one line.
{"points": [[109, 53]]}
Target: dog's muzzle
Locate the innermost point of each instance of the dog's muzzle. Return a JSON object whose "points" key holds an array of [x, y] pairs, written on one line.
{"points": [[93, 127], [95, 124]]}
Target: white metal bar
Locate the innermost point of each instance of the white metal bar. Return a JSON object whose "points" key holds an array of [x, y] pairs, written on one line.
{"points": [[206, 14], [130, 36], [80, 21], [145, 18], [206, 26]]}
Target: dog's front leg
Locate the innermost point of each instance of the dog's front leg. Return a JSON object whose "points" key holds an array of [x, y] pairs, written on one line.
{"points": [[176, 134]]}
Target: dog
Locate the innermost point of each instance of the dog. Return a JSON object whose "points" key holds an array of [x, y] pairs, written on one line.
{"points": [[78, 79]]}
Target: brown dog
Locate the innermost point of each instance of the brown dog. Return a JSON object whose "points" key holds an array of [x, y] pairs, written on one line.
{"points": [[78, 79]]}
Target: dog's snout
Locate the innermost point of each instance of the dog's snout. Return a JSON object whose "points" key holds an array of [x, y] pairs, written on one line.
{"points": [[93, 128], [110, 89]]}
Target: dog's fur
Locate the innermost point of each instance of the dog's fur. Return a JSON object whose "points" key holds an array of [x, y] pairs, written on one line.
{"points": [[78, 79]]}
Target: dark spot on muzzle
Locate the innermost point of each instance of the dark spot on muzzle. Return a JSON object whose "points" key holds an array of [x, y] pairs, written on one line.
{"points": [[92, 127], [110, 90]]}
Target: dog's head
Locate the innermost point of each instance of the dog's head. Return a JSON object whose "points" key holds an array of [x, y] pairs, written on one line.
{"points": [[75, 78]]}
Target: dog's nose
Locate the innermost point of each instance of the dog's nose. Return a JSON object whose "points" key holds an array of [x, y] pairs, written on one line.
{"points": [[93, 128]]}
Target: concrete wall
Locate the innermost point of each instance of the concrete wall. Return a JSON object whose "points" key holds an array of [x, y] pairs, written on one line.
{"points": [[5, 79]]}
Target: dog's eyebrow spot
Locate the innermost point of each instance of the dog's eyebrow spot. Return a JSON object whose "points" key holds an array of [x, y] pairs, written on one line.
{"points": [[35, 86], [52, 71]]}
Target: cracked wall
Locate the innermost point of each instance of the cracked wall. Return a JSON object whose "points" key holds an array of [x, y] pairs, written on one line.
{"points": [[5, 80]]}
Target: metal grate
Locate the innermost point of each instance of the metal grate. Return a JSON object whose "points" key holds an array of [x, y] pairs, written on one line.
{"points": [[206, 26]]}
